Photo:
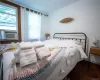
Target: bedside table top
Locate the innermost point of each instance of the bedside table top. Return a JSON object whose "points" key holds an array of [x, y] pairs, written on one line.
{"points": [[95, 51]]}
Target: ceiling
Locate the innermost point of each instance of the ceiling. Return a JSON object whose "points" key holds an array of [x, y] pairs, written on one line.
{"points": [[45, 6]]}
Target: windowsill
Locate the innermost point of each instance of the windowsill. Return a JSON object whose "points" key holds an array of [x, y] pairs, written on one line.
{"points": [[8, 40], [5, 41]]}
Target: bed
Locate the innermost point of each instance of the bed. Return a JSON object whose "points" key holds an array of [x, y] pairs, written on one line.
{"points": [[67, 50]]}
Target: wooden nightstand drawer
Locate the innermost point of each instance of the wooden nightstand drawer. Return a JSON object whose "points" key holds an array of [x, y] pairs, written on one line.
{"points": [[95, 51]]}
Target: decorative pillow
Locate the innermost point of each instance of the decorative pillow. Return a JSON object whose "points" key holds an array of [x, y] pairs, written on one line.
{"points": [[43, 52]]}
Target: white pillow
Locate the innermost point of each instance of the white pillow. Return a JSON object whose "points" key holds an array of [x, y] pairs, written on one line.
{"points": [[27, 57], [51, 41], [72, 41], [50, 47], [43, 52]]}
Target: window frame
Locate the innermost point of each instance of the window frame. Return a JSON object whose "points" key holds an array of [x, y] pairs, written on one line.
{"points": [[18, 17]]}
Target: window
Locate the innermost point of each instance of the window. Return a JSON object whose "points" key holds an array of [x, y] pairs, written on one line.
{"points": [[8, 17], [34, 26]]}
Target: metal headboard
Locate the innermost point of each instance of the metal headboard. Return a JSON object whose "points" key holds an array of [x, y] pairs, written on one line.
{"points": [[84, 38]]}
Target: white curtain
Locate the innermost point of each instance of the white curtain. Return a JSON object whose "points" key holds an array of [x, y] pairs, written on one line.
{"points": [[24, 25], [31, 25], [34, 26]]}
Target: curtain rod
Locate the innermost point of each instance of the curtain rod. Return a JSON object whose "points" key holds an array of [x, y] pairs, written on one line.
{"points": [[28, 9]]}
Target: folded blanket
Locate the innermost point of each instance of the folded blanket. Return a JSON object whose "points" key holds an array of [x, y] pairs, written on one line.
{"points": [[25, 45], [27, 52], [27, 57], [43, 52], [16, 54], [37, 44]]}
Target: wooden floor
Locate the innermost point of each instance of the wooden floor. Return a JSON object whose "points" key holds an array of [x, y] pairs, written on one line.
{"points": [[83, 72]]}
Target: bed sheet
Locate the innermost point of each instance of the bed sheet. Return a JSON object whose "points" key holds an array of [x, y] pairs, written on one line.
{"points": [[7, 60]]}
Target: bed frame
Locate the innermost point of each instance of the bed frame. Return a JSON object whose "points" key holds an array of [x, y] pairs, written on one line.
{"points": [[81, 37]]}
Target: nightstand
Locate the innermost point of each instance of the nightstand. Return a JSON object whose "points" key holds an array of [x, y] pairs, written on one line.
{"points": [[94, 51]]}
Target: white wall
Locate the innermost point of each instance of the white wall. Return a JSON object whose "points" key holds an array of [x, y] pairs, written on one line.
{"points": [[86, 14]]}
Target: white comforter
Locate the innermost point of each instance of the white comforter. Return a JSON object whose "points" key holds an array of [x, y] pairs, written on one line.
{"points": [[67, 63], [74, 53]]}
